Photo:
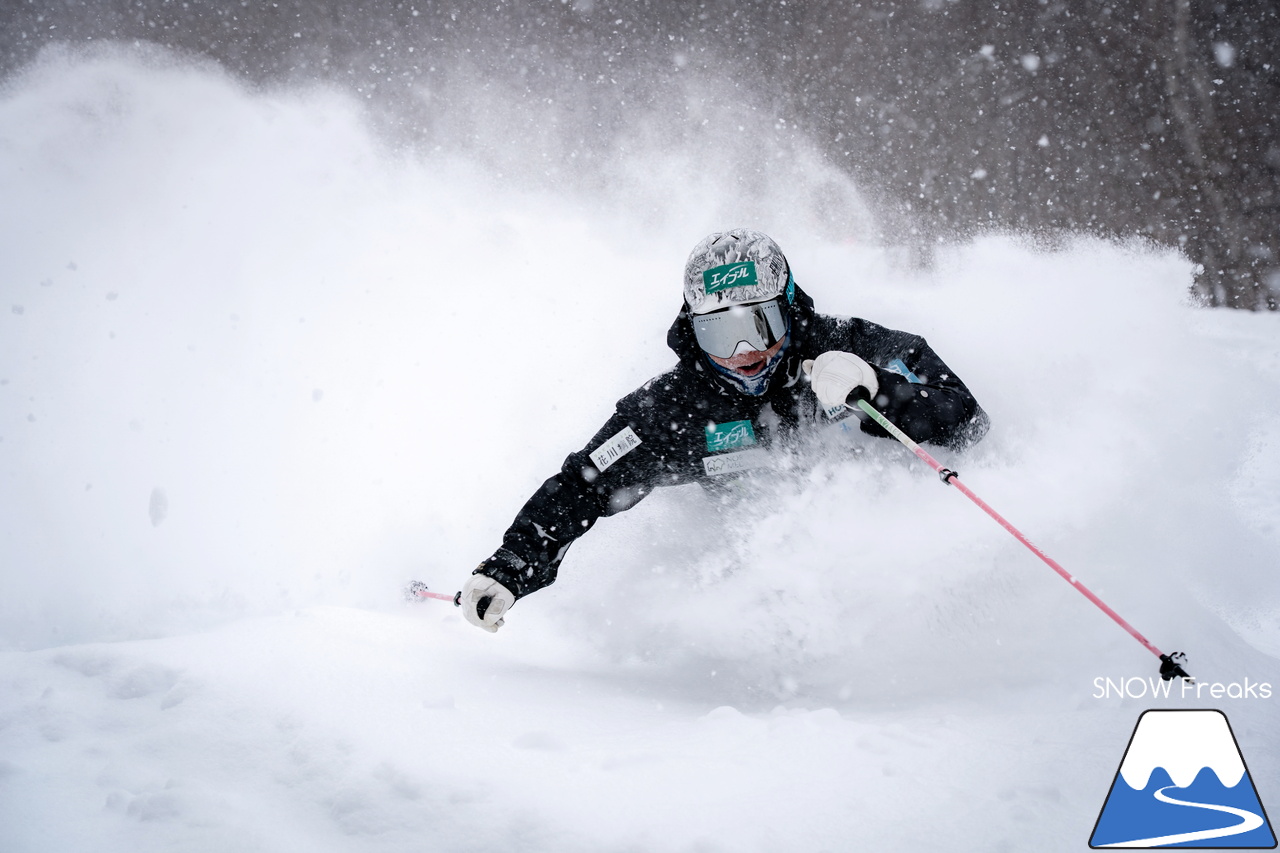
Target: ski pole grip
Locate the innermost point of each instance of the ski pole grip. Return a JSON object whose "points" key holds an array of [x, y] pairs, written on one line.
{"points": [[1171, 667]]}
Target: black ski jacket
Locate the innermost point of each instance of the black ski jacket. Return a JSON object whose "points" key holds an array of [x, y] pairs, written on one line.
{"points": [[687, 425]]}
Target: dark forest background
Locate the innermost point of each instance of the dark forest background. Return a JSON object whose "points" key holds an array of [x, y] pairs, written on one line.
{"points": [[1154, 119]]}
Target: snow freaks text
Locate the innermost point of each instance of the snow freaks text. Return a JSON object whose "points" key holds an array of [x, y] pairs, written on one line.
{"points": [[1152, 687]]}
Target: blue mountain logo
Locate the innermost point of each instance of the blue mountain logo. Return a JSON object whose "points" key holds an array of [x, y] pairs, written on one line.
{"points": [[1183, 783]]}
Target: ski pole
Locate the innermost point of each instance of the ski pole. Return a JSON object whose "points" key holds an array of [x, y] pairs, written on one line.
{"points": [[418, 590], [1170, 664]]}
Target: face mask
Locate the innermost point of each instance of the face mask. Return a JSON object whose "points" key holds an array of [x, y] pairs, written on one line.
{"points": [[757, 383]]}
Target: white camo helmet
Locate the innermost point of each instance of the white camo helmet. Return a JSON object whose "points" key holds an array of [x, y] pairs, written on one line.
{"points": [[733, 268]]}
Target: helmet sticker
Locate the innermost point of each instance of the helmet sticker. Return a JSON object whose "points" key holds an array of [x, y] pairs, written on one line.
{"points": [[730, 275]]}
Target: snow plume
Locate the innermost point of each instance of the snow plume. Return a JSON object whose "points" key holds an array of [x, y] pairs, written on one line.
{"points": [[255, 357]]}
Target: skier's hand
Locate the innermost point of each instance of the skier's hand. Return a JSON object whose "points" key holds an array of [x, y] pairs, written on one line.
{"points": [[484, 601], [835, 375]]}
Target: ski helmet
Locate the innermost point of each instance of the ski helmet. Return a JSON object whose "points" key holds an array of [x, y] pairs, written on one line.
{"points": [[738, 288], [735, 268]]}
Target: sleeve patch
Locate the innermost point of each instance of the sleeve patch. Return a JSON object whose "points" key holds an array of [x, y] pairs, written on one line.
{"points": [[899, 367], [615, 448]]}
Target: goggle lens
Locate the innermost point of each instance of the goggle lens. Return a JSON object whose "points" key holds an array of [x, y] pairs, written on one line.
{"points": [[759, 325]]}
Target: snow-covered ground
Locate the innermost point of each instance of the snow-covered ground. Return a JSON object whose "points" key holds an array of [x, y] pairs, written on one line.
{"points": [[257, 371]]}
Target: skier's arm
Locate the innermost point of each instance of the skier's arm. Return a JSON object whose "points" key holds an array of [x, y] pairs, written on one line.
{"points": [[619, 466], [920, 394]]}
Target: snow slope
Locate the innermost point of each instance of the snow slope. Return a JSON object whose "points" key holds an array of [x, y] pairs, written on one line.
{"points": [[257, 370]]}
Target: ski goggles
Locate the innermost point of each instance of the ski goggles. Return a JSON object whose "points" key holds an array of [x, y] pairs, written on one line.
{"points": [[760, 325]]}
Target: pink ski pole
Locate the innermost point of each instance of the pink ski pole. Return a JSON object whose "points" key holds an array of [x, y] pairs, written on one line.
{"points": [[1170, 664], [417, 590]]}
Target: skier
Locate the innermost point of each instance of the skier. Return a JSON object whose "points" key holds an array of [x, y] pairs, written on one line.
{"points": [[758, 368]]}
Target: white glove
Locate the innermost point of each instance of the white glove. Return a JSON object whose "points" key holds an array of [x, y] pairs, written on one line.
{"points": [[835, 374], [484, 594]]}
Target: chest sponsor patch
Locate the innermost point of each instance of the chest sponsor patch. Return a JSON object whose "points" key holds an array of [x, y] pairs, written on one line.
{"points": [[731, 463], [730, 436], [615, 448]]}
